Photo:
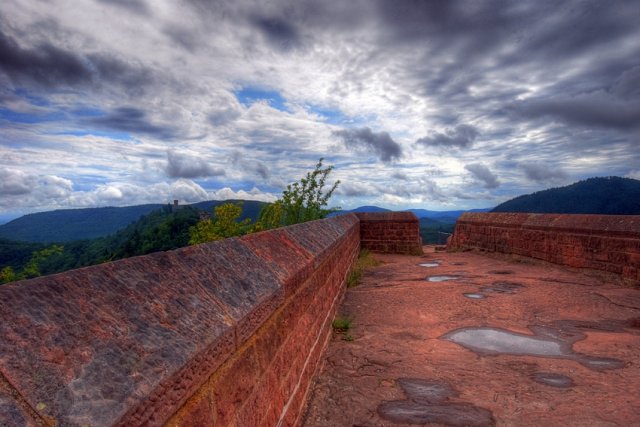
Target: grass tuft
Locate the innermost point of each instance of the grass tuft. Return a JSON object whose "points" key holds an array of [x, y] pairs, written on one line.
{"points": [[365, 260], [341, 324]]}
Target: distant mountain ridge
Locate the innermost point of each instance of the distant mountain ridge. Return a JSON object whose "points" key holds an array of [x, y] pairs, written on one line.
{"points": [[65, 225], [606, 196], [448, 217]]}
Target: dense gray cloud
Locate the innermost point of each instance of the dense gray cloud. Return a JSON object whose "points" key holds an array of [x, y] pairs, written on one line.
{"points": [[279, 32], [14, 182], [185, 166], [592, 109], [136, 6], [541, 172], [255, 167], [133, 120], [52, 66], [483, 174], [462, 136], [380, 143]]}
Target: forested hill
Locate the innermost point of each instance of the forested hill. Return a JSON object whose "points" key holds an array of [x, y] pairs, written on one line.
{"points": [[66, 225], [160, 230], [608, 196]]}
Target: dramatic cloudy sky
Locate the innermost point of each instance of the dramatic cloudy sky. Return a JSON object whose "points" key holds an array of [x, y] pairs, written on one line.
{"points": [[431, 104]]}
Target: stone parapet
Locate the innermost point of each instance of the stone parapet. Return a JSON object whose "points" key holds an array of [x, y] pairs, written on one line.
{"points": [[609, 243], [224, 333], [390, 232]]}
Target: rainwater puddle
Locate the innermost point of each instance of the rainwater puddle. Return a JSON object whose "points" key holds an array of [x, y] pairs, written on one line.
{"points": [[553, 380], [427, 403], [426, 391], [502, 288], [441, 278], [474, 296], [553, 342], [429, 264]]}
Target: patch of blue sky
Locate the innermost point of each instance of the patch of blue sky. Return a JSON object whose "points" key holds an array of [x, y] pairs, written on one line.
{"points": [[213, 183], [118, 136], [330, 115], [251, 94], [30, 118], [33, 99], [87, 112]]}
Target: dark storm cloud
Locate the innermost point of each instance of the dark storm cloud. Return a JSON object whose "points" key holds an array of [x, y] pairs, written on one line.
{"points": [[255, 166], [380, 143], [185, 166], [47, 65], [183, 37], [462, 136], [355, 189], [132, 120], [279, 32], [541, 172], [400, 175], [482, 173], [136, 6], [51, 66], [593, 109]]}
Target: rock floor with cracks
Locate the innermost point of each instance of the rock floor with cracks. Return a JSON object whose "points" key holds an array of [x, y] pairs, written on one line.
{"points": [[401, 323]]}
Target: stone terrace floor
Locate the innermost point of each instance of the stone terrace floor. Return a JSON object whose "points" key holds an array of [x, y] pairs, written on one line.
{"points": [[544, 347]]}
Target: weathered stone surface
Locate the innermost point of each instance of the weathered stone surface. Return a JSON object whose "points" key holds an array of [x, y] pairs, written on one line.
{"points": [[227, 332], [390, 232], [607, 243], [399, 330]]}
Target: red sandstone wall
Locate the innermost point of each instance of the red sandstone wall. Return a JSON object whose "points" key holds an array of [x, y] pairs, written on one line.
{"points": [[608, 243], [225, 333], [390, 232]]}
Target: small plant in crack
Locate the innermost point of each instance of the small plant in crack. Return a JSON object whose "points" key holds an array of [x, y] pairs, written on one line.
{"points": [[341, 324]]}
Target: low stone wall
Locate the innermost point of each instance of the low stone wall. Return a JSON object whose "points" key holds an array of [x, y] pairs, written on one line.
{"points": [[224, 333], [609, 243], [390, 232]]}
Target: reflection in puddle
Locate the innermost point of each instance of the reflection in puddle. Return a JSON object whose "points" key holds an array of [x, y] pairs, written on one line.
{"points": [[502, 287], [553, 380], [427, 403], [426, 391], [548, 342], [441, 278], [497, 341], [474, 296], [429, 264]]}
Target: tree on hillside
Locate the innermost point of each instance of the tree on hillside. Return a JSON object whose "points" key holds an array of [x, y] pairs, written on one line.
{"points": [[302, 201], [225, 223]]}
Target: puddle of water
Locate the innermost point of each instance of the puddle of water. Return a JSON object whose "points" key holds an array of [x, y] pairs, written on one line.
{"points": [[502, 287], [601, 363], [427, 403], [429, 264], [406, 411], [553, 380], [499, 341], [426, 391], [548, 341], [441, 278], [474, 296]]}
